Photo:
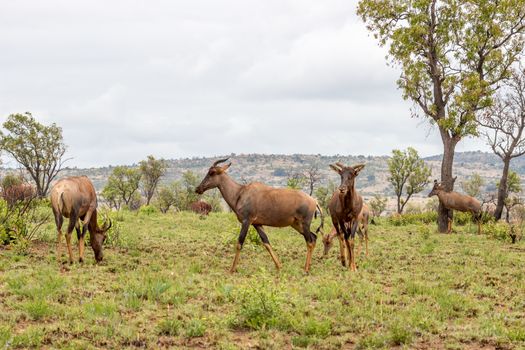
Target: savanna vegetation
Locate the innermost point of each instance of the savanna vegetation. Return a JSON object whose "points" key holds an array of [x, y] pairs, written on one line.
{"points": [[164, 283]]}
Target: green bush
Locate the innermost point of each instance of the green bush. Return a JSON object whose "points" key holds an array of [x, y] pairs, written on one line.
{"points": [[415, 218], [497, 230], [21, 221], [259, 307], [148, 210]]}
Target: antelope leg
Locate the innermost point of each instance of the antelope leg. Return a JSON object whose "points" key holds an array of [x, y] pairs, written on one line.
{"points": [[240, 242], [59, 238], [352, 236], [69, 249], [267, 245], [310, 246]]}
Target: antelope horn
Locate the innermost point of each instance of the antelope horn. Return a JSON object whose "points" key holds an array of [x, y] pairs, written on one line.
{"points": [[220, 161]]}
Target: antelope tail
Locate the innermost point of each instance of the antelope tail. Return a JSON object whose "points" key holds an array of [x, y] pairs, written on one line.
{"points": [[321, 215]]}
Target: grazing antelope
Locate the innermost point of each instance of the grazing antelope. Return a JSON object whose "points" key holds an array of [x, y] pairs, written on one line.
{"points": [[345, 206], [362, 231], [260, 205], [201, 208], [457, 201], [75, 198]]}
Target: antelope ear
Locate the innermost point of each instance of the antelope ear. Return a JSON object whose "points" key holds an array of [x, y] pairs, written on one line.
{"points": [[358, 168], [336, 169], [224, 168], [435, 182]]}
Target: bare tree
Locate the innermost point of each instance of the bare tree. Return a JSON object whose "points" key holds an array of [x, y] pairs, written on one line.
{"points": [[503, 124], [313, 176]]}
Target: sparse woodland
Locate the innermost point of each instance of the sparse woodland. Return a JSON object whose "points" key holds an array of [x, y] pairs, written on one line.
{"points": [[163, 282]]}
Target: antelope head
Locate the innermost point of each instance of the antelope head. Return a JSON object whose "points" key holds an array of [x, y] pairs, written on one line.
{"points": [[213, 177], [437, 188], [348, 175]]}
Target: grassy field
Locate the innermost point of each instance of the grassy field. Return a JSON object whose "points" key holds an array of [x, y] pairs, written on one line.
{"points": [[164, 283]]}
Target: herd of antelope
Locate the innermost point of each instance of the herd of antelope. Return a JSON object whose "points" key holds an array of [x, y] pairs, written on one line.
{"points": [[255, 204]]}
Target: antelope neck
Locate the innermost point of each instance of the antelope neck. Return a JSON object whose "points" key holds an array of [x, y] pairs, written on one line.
{"points": [[230, 191], [347, 200]]}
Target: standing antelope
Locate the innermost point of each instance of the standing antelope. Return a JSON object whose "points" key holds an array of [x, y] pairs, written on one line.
{"points": [[457, 201], [362, 231], [345, 206], [258, 205], [75, 198]]}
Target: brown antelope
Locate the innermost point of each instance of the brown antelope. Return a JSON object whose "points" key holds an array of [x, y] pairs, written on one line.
{"points": [[457, 201], [75, 198], [362, 231], [260, 205], [201, 208], [345, 206]]}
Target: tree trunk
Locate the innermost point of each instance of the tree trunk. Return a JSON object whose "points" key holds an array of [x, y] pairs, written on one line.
{"points": [[399, 209], [502, 190], [449, 146]]}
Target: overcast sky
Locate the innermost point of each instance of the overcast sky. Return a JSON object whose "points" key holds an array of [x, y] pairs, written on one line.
{"points": [[125, 79]]}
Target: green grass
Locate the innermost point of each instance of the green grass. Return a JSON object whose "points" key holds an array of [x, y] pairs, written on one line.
{"points": [[165, 283]]}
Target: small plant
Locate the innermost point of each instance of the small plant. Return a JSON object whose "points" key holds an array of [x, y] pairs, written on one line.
{"points": [[37, 309], [195, 328], [259, 307], [399, 335], [171, 327]]}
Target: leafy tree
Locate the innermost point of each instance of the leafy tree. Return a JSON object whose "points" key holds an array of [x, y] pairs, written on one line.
{"points": [[473, 186], [111, 195], [408, 173], [167, 196], [452, 56], [503, 124], [324, 194], [122, 185], [190, 181], [152, 170], [296, 181], [377, 205], [38, 148]]}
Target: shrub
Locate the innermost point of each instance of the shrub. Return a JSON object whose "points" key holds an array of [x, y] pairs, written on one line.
{"points": [[498, 230], [147, 210], [408, 219], [259, 307], [20, 222]]}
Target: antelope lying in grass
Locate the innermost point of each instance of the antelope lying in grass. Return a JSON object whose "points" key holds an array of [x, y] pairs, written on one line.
{"points": [[259, 205], [345, 206], [75, 198], [362, 231], [457, 201]]}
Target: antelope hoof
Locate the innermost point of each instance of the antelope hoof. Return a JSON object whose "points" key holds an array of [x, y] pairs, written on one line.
{"points": [[232, 270], [80, 260]]}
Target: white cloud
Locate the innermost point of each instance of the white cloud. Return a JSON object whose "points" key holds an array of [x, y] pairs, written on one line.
{"points": [[130, 78]]}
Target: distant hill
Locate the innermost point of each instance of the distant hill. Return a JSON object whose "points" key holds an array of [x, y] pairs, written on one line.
{"points": [[274, 169]]}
